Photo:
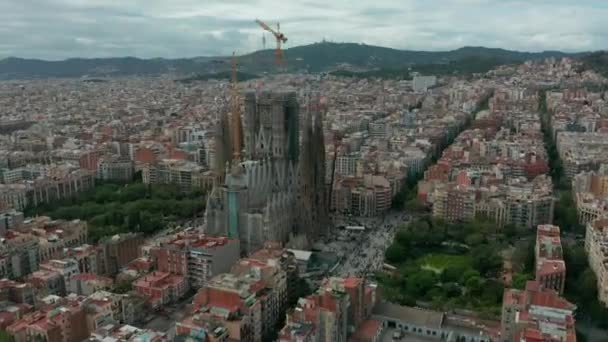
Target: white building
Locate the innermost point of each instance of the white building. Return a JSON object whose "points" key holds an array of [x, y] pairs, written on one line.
{"points": [[346, 165], [596, 246], [423, 83]]}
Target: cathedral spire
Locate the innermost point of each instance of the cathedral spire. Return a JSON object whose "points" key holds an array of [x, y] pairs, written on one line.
{"points": [[236, 126]]}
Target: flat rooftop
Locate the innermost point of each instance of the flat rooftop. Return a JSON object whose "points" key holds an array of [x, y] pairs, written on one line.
{"points": [[419, 317]]}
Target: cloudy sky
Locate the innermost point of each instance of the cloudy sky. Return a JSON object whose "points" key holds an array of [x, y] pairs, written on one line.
{"points": [[57, 29]]}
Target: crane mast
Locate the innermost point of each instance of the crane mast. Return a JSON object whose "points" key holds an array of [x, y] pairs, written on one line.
{"points": [[280, 38]]}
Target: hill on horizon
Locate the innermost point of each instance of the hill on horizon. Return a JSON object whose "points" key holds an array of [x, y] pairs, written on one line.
{"points": [[315, 57]]}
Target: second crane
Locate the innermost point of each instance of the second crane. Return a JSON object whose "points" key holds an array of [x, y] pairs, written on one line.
{"points": [[280, 37]]}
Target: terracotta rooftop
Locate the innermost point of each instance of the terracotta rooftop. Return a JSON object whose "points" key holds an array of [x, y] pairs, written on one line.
{"points": [[368, 329], [352, 282], [90, 277], [547, 267], [158, 280]]}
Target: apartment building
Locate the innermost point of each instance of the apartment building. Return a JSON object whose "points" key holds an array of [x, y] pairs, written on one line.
{"points": [[247, 303], [454, 203], [274, 254], [590, 190], [22, 254], [40, 191], [85, 284], [60, 324], [550, 265], [239, 300], [124, 308], [119, 250], [581, 151], [274, 301], [536, 314], [596, 246], [174, 171], [368, 196], [327, 310], [161, 288], [197, 257], [346, 165], [47, 282], [10, 219], [16, 292], [66, 268], [115, 168]]}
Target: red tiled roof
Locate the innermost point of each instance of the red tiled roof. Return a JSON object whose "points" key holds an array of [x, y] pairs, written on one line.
{"points": [[550, 267], [532, 335], [140, 264], [368, 329], [90, 277], [352, 282], [6, 319], [550, 299], [512, 297], [158, 280]]}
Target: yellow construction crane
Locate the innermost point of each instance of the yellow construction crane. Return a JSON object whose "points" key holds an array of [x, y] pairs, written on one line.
{"points": [[280, 37]]}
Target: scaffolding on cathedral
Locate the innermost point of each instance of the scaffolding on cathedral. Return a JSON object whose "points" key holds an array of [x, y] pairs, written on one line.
{"points": [[275, 189]]}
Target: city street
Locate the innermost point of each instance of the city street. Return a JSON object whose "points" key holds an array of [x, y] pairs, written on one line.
{"points": [[362, 252]]}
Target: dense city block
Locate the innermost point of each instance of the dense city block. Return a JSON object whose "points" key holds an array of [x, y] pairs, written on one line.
{"points": [[306, 207]]}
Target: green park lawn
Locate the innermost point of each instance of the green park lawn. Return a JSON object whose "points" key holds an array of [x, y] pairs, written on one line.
{"points": [[438, 262]]}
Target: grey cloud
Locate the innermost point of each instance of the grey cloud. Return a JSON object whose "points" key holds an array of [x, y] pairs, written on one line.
{"points": [[56, 29]]}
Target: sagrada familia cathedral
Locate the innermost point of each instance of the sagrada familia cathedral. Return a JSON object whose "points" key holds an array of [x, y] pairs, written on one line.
{"points": [[270, 173]]}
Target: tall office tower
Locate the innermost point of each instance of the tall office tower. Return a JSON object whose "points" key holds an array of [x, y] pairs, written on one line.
{"points": [[277, 191]]}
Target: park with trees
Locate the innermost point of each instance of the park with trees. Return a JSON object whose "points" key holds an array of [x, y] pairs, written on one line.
{"points": [[111, 209], [450, 265]]}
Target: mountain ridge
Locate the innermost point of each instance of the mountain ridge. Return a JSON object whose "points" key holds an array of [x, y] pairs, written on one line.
{"points": [[324, 56]]}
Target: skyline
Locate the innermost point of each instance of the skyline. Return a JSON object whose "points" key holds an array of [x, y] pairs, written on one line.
{"points": [[60, 29]]}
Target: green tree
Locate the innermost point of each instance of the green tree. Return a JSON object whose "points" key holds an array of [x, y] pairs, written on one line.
{"points": [[529, 260], [587, 286], [575, 258], [420, 226], [420, 282], [99, 220], [486, 260], [510, 230], [492, 292], [303, 289], [133, 192], [474, 239], [415, 205], [468, 274], [5, 337], [133, 219], [104, 195], [474, 286], [67, 213], [452, 290], [395, 253], [453, 273], [404, 237], [91, 209], [566, 215], [123, 287], [520, 280]]}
